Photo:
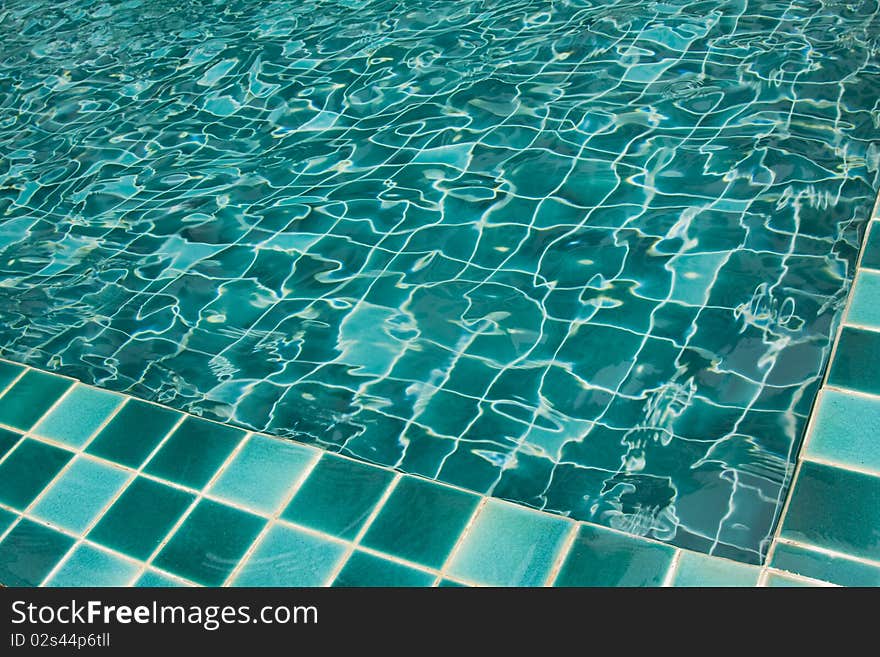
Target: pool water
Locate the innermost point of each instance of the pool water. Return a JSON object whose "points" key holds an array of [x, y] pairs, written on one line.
{"points": [[584, 256]]}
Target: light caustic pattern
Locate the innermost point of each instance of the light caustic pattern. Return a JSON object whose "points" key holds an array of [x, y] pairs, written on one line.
{"points": [[586, 256]]}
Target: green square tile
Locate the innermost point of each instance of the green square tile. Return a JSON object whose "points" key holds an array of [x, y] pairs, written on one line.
{"points": [[835, 509], [846, 429], [601, 557], [8, 372], [864, 308], [702, 570], [290, 557], [8, 439], [31, 396], [77, 497], [509, 545], [155, 579], [133, 433], [421, 521], [89, 566], [857, 361], [6, 519], [818, 565], [194, 452], [364, 569], [776, 580], [27, 470], [29, 552], [141, 517], [78, 415], [210, 543], [261, 474], [338, 496], [871, 249]]}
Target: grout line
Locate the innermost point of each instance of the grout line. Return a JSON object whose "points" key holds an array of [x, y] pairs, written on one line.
{"points": [[15, 379], [461, 537], [800, 578], [829, 552], [821, 460], [852, 391], [564, 551], [672, 570]]}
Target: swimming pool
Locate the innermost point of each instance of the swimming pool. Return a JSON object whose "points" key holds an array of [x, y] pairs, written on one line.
{"points": [[587, 257]]}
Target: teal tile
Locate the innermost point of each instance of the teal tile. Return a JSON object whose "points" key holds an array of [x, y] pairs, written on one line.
{"points": [[155, 579], [6, 519], [450, 584], [864, 306], [857, 361], [776, 580], [77, 497], [845, 429], [31, 396], [209, 543], [89, 566], [133, 433], [194, 452], [78, 415], [141, 517], [835, 509], [702, 570], [420, 521], [8, 439], [29, 552], [509, 545], [338, 496], [600, 557], [261, 474], [871, 249], [290, 557], [818, 565], [8, 372], [27, 470], [364, 569]]}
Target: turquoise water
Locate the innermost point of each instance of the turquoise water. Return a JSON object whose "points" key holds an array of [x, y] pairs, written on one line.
{"points": [[586, 256]]}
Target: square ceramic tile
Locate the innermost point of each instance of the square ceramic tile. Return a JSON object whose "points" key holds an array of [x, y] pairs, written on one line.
{"points": [[133, 433], [29, 552], [89, 566], [6, 519], [338, 496], [857, 361], [701, 570], [8, 372], [871, 249], [209, 543], [141, 517], [155, 579], [846, 429], [601, 557], [363, 569], [8, 440], [450, 584], [864, 308], [194, 451], [27, 470], [509, 545], [777, 580], [78, 496], [835, 509], [261, 474], [78, 415], [31, 396], [290, 557], [818, 565], [420, 521]]}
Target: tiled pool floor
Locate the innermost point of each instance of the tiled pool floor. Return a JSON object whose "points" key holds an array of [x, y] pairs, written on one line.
{"points": [[586, 257]]}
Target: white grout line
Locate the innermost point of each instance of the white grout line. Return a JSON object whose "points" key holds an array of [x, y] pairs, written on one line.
{"points": [[672, 570], [800, 578], [850, 467], [461, 538], [15, 379], [567, 544], [829, 552]]}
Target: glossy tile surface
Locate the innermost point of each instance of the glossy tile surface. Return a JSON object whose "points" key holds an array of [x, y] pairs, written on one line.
{"points": [[133, 433], [29, 552], [289, 557], [846, 430], [31, 396], [76, 417], [857, 361], [364, 569], [27, 470], [696, 570], [864, 309], [90, 566], [825, 567], [583, 257]]}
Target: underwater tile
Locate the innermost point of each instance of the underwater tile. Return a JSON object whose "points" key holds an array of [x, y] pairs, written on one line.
{"points": [[363, 569], [836, 509], [262, 473], [133, 433], [8, 372], [864, 307], [90, 566], [803, 561], [857, 361], [287, 556], [601, 557], [845, 429], [701, 570], [338, 496], [31, 396], [420, 521], [194, 452], [141, 517], [29, 552], [154, 579], [27, 470], [508, 545], [78, 415], [78, 496], [209, 543]]}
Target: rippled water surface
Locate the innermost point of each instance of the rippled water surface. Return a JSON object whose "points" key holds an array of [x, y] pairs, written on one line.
{"points": [[582, 255]]}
